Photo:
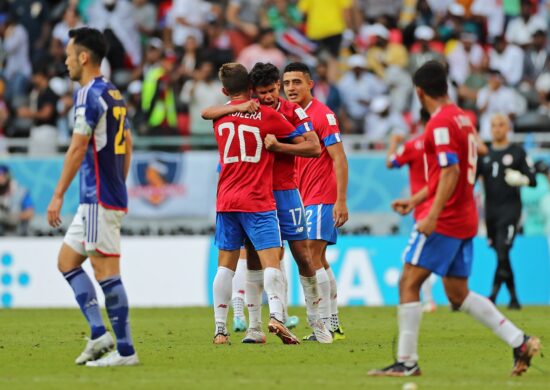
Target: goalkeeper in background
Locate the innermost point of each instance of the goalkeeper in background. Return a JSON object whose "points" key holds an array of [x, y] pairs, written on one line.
{"points": [[504, 170]]}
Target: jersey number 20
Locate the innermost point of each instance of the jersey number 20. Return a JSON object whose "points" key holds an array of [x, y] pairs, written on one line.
{"points": [[241, 129], [120, 138]]}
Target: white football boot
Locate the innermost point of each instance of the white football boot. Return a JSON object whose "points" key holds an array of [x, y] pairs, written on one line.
{"points": [[114, 359], [96, 348]]}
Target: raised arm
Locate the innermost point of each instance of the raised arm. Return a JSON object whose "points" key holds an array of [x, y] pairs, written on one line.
{"points": [[395, 140], [216, 112]]}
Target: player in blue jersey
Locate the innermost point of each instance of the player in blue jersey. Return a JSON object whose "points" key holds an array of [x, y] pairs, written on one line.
{"points": [[101, 149]]}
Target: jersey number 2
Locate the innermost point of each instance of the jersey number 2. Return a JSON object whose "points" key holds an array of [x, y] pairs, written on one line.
{"points": [[120, 138], [241, 129]]}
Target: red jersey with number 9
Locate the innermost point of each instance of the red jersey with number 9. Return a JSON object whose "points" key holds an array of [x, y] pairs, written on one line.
{"points": [[246, 175], [450, 138]]}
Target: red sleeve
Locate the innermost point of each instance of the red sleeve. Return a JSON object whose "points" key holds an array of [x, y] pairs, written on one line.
{"points": [[299, 116], [403, 155], [280, 127], [445, 143]]}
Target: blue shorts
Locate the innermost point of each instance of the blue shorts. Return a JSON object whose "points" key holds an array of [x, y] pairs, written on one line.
{"points": [[320, 223], [443, 255], [262, 229], [292, 215]]}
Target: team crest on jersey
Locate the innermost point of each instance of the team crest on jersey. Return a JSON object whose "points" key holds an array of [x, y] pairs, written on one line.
{"points": [[157, 177], [507, 159]]}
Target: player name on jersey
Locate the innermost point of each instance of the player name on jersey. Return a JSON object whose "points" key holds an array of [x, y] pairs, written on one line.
{"points": [[247, 115]]}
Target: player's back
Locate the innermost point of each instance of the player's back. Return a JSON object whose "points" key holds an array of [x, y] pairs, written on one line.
{"points": [[450, 138], [246, 174], [316, 176], [100, 107], [284, 173]]}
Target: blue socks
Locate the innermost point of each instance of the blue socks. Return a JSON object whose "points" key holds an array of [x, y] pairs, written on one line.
{"points": [[84, 292], [116, 302]]}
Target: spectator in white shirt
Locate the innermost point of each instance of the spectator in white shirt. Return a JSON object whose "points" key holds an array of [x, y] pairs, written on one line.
{"points": [[71, 20], [493, 12], [494, 98], [466, 55], [188, 18], [199, 93], [357, 88], [115, 18], [526, 24], [382, 122], [507, 59], [17, 71]]}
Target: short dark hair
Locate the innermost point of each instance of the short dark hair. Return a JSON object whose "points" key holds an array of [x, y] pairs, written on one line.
{"points": [[234, 78], [264, 74], [92, 40], [432, 79], [298, 67]]}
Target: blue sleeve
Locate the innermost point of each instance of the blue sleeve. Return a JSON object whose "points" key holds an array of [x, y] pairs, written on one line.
{"points": [[332, 139], [27, 202], [300, 130], [446, 159], [90, 107]]}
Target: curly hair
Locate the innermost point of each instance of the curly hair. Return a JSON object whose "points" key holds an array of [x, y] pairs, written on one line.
{"points": [[264, 74]]}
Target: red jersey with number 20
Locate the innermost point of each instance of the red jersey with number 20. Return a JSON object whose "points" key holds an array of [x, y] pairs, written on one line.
{"points": [[411, 153], [450, 138], [284, 174], [246, 175], [316, 176]]}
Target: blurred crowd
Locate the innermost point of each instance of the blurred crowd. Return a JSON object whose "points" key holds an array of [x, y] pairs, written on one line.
{"points": [[164, 55]]}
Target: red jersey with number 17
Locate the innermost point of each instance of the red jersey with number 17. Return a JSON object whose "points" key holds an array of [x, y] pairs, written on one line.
{"points": [[316, 176], [284, 174], [246, 167], [450, 138], [411, 153]]}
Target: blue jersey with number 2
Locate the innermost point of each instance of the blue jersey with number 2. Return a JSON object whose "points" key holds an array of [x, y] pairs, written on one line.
{"points": [[100, 113]]}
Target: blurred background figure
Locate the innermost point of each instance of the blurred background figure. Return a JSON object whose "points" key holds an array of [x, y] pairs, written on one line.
{"points": [[357, 88], [536, 203], [16, 206], [157, 97], [495, 98], [504, 170], [203, 91], [382, 122], [265, 50]]}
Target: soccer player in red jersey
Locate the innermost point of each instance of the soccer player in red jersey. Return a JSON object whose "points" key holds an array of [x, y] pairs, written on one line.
{"points": [[245, 203], [442, 239], [411, 153], [323, 184], [265, 81]]}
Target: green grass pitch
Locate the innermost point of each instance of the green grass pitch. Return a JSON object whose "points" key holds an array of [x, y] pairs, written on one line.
{"points": [[38, 348]]}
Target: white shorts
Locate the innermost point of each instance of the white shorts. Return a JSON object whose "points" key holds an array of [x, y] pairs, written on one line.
{"points": [[95, 231]]}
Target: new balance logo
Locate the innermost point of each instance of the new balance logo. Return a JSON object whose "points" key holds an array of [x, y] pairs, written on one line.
{"points": [[317, 301], [222, 306]]}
